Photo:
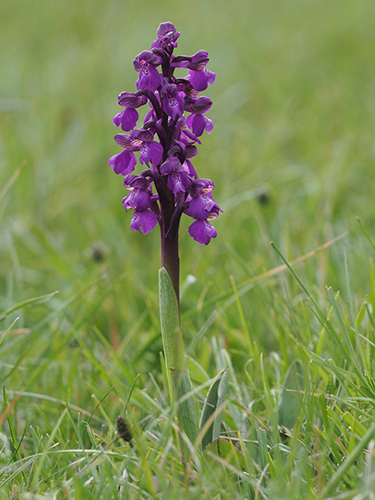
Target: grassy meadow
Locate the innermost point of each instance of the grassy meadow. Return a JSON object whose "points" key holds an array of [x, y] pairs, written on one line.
{"points": [[292, 156]]}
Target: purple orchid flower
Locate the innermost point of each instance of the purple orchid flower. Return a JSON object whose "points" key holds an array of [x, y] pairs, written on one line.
{"points": [[140, 199], [149, 77], [142, 140], [202, 208], [167, 36], [166, 144], [200, 79], [173, 103]]}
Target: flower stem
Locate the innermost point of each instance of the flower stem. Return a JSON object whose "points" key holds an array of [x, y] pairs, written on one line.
{"points": [[169, 247]]}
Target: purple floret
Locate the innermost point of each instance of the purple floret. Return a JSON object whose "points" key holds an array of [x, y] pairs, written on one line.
{"points": [[144, 222], [200, 79], [127, 118], [149, 77], [123, 163], [202, 231]]}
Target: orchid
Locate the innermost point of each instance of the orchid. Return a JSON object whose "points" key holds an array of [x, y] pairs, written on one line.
{"points": [[170, 186]]}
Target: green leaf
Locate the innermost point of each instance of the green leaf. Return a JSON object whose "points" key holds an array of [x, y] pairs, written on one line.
{"points": [[187, 413], [291, 398], [214, 400], [356, 427], [170, 324], [178, 376]]}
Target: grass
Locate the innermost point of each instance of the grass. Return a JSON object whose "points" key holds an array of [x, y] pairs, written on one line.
{"points": [[292, 158]]}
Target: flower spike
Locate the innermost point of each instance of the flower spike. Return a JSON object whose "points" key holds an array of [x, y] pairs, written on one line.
{"points": [[172, 128]]}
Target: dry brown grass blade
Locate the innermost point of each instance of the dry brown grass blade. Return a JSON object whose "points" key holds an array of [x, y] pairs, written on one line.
{"points": [[278, 269], [4, 415]]}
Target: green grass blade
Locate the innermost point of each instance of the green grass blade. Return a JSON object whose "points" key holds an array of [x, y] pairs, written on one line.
{"points": [[170, 325], [28, 302], [2, 338], [338, 476]]}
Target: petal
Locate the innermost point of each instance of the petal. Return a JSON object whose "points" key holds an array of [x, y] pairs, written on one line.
{"points": [[200, 105], [209, 125], [178, 182], [171, 164], [124, 140], [198, 80], [165, 28], [191, 151], [198, 125], [149, 116], [201, 185], [117, 119], [168, 88], [139, 199], [210, 76], [191, 136], [151, 151], [180, 61], [123, 163], [129, 119], [129, 99], [149, 78], [146, 58], [173, 105], [143, 222], [141, 135], [132, 181], [202, 231], [201, 206], [188, 166], [199, 60]]}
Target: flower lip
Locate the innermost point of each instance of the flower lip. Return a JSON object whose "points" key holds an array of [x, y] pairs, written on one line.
{"points": [[143, 221], [127, 118], [199, 79], [123, 163], [202, 231]]}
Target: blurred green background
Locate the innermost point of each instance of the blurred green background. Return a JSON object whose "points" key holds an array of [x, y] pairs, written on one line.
{"points": [[291, 155]]}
